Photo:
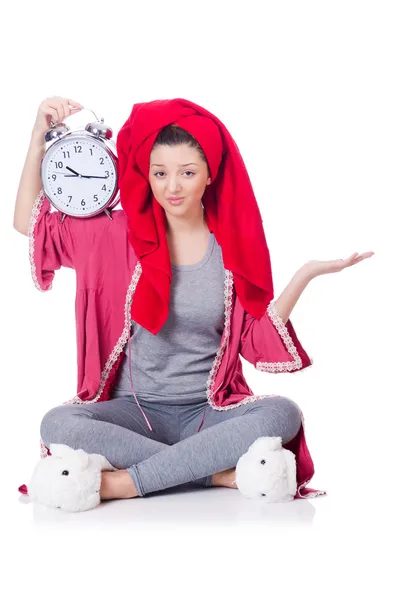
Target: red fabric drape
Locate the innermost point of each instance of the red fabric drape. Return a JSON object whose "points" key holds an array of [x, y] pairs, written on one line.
{"points": [[232, 212]]}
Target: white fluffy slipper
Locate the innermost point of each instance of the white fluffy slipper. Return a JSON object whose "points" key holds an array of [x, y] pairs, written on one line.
{"points": [[68, 479], [267, 471]]}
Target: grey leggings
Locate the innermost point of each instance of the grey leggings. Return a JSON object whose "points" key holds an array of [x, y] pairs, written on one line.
{"points": [[174, 453]]}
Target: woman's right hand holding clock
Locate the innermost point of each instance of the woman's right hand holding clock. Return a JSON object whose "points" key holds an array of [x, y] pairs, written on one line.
{"points": [[56, 109]]}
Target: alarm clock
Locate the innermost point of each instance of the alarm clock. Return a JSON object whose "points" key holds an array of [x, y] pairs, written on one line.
{"points": [[79, 169]]}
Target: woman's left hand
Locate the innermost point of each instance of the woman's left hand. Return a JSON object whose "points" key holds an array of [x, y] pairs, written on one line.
{"points": [[313, 268]]}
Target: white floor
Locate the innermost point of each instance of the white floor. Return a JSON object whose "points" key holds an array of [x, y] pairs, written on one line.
{"points": [[202, 543], [192, 507]]}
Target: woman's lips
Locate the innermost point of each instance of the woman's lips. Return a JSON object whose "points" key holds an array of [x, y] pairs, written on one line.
{"points": [[175, 201]]}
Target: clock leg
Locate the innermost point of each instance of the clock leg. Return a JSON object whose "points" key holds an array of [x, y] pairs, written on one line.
{"points": [[108, 214], [63, 218]]}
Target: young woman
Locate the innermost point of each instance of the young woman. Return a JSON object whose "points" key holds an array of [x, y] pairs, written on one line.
{"points": [[170, 293]]}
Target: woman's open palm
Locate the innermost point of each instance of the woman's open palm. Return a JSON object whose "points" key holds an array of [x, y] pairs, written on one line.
{"points": [[322, 267]]}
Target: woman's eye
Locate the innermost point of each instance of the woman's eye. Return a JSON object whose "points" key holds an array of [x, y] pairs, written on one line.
{"points": [[162, 173]]}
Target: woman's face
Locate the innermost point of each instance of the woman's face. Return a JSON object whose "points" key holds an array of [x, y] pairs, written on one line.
{"points": [[178, 172]]}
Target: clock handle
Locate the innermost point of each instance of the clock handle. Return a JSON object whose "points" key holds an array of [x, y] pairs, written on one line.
{"points": [[59, 129], [98, 128], [54, 123]]}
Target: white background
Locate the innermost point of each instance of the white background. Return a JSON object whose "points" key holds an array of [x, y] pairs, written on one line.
{"points": [[308, 90]]}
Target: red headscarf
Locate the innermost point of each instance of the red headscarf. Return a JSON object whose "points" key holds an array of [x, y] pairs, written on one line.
{"points": [[231, 210]]}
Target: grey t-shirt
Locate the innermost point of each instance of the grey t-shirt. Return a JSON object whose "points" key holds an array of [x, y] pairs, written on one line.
{"points": [[175, 363]]}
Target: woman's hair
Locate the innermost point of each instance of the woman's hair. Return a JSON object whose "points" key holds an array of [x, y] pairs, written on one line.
{"points": [[172, 135]]}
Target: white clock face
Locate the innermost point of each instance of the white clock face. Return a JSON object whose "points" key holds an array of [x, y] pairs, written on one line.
{"points": [[79, 175]]}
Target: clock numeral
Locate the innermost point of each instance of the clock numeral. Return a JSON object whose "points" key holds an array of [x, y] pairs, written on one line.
{"points": [[70, 198], [82, 203], [66, 153], [107, 173], [59, 190], [104, 187], [101, 160], [78, 149], [91, 151], [59, 165], [53, 177], [96, 198]]}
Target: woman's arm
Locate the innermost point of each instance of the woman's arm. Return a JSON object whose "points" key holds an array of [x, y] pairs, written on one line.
{"points": [[29, 185], [54, 109], [270, 343], [290, 296]]}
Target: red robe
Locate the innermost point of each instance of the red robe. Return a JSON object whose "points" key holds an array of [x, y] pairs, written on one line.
{"points": [[107, 273]]}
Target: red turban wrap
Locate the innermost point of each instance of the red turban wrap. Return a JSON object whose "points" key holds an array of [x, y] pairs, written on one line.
{"points": [[231, 210]]}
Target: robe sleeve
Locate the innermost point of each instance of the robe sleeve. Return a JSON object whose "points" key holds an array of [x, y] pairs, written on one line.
{"points": [[54, 244], [270, 345]]}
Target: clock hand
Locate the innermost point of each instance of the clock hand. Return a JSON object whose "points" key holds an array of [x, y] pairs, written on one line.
{"points": [[73, 171], [78, 174], [85, 176], [65, 174]]}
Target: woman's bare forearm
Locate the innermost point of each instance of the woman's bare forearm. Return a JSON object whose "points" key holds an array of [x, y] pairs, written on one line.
{"points": [[29, 184], [290, 296]]}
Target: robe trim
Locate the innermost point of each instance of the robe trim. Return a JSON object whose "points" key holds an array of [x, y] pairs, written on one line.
{"points": [[228, 296], [43, 449], [312, 494], [281, 367], [36, 209], [123, 339]]}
